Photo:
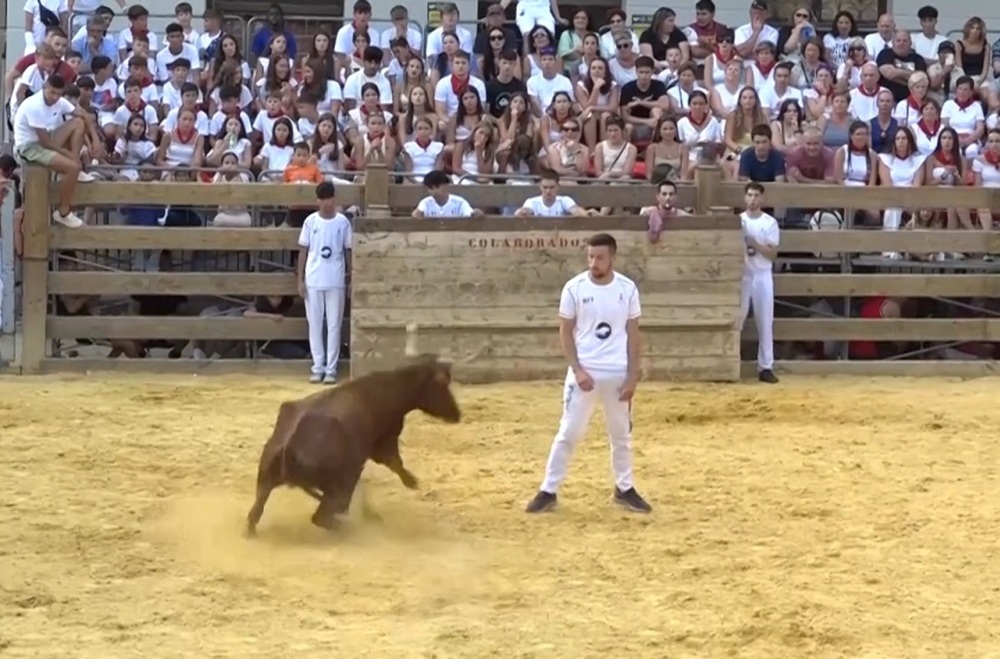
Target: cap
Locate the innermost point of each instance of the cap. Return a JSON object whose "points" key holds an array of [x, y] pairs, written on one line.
{"points": [[946, 47], [759, 4]]}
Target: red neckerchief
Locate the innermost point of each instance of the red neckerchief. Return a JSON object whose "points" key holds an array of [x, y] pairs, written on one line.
{"points": [[364, 111], [698, 124], [423, 143], [134, 110], [139, 33], [358, 55], [944, 158], [145, 80], [926, 130], [185, 140], [766, 71], [280, 113], [865, 92], [459, 85], [965, 104], [719, 59], [992, 158], [913, 102]]}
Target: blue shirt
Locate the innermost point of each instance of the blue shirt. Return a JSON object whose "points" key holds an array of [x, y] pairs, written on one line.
{"points": [[762, 171], [880, 140], [108, 49], [263, 37]]}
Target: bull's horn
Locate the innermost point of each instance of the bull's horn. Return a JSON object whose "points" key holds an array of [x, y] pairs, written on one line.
{"points": [[465, 360], [411, 340]]}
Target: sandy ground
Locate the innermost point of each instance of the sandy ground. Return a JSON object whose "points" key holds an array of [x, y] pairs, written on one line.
{"points": [[817, 518]]}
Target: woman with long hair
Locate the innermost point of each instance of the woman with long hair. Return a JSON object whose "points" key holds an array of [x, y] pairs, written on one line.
{"points": [[698, 129], [537, 39], [902, 167], [322, 50], [666, 156], [470, 114], [317, 83], [476, 155], [356, 62], [973, 52], [791, 38], [230, 75], [836, 42], [231, 138], [614, 158], [964, 113], [278, 78], [450, 45], [277, 153], [489, 62], [986, 170], [415, 75], [183, 146], [927, 130], [561, 111], [357, 123], [278, 45], [591, 51], [327, 148], [716, 62], [739, 123], [787, 127], [855, 164], [228, 51], [571, 42], [423, 153], [946, 167], [597, 95], [419, 107], [516, 119]]}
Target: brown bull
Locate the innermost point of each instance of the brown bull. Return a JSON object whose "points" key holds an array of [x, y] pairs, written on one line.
{"points": [[321, 443]]}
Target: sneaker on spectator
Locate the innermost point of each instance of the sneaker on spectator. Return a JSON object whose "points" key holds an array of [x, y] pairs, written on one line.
{"points": [[70, 219], [330, 378], [315, 378], [86, 177]]}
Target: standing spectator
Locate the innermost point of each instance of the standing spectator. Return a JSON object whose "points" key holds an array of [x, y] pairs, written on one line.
{"points": [[763, 163], [324, 267], [54, 37], [43, 136], [531, 13], [882, 38], [746, 37], [897, 64], [39, 15], [275, 25]]}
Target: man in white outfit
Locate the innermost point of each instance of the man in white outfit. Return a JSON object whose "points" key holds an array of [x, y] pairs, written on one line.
{"points": [[760, 231], [599, 331], [323, 266], [535, 12]]}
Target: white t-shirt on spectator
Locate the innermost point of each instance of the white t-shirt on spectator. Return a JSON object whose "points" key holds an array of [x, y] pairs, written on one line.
{"points": [[435, 45], [744, 33], [277, 157], [444, 93], [601, 312], [200, 122], [204, 41], [561, 207], [125, 41], [326, 240], [218, 121], [149, 93], [105, 98], [863, 106], [343, 44], [772, 100], [963, 121], [123, 114], [455, 206], [876, 44], [265, 126], [990, 173], [355, 81], [34, 115], [544, 89], [165, 58], [764, 230], [682, 98], [927, 48], [246, 98], [32, 7], [331, 94], [621, 75], [413, 37], [171, 95], [423, 159], [33, 78], [135, 153]]}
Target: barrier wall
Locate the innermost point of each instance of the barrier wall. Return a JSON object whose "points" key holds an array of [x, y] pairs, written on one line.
{"points": [[435, 261], [487, 290]]}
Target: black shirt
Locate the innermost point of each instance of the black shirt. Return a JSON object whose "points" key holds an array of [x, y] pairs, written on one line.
{"points": [[498, 94], [913, 62], [159, 305], [660, 47], [631, 92], [263, 305], [482, 41]]}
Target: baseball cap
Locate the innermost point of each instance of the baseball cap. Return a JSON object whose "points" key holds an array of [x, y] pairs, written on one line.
{"points": [[759, 4]]}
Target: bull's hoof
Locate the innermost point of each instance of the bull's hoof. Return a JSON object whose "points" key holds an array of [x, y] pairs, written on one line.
{"points": [[327, 523], [250, 532]]}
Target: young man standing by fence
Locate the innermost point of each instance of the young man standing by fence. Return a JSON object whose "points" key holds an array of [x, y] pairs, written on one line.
{"points": [[323, 269], [760, 231]]}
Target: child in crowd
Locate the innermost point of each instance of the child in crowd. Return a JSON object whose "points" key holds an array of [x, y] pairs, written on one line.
{"points": [[302, 169], [323, 271], [229, 172]]}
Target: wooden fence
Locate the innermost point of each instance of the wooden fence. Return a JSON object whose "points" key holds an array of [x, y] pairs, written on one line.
{"points": [[468, 280]]}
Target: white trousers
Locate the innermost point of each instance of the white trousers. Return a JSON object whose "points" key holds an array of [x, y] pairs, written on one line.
{"points": [[578, 407], [328, 304], [758, 290], [528, 17]]}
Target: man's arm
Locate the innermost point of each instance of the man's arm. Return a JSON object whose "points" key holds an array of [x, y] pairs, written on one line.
{"points": [[568, 342], [634, 342]]}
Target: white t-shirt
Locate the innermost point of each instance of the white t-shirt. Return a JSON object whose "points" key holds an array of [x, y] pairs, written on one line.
{"points": [[744, 33], [34, 114], [963, 121], [32, 7], [326, 240], [435, 45], [414, 37], [445, 94], [989, 173], [561, 207], [165, 58], [764, 230], [201, 123], [355, 81], [601, 313], [454, 207], [543, 89], [927, 48]]}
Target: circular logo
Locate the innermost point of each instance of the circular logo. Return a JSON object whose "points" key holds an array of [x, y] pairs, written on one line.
{"points": [[325, 252], [602, 331]]}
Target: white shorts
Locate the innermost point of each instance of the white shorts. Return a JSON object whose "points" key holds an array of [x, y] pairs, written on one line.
{"points": [[528, 17]]}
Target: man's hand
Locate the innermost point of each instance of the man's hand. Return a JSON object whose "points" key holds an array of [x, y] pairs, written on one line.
{"points": [[627, 390], [583, 379], [302, 289]]}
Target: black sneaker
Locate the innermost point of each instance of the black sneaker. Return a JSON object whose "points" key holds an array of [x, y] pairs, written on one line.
{"points": [[631, 500], [542, 503], [768, 376]]}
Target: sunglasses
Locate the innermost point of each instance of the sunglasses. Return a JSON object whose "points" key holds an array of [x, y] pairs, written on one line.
{"points": [[624, 46], [496, 37], [570, 129], [806, 16]]}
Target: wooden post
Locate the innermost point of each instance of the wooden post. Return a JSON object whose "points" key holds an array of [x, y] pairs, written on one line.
{"points": [[707, 179], [35, 297], [376, 192]]}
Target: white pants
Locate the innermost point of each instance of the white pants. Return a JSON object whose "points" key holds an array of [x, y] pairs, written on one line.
{"points": [[329, 304], [529, 17], [758, 290], [578, 407]]}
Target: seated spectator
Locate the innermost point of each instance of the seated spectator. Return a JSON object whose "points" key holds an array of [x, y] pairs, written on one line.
{"points": [[926, 130], [738, 125], [546, 83], [374, 145], [423, 154], [855, 164], [864, 96], [819, 97], [414, 76], [177, 49], [183, 146], [33, 79], [539, 43], [550, 203], [901, 167], [774, 96], [134, 149], [328, 148], [964, 113], [614, 158], [231, 139], [470, 114], [763, 163], [724, 96], [559, 113], [598, 97], [476, 155], [448, 92], [787, 129], [277, 153], [49, 132], [810, 162], [498, 50], [643, 101], [418, 107], [369, 74], [177, 75], [609, 40], [716, 62], [279, 80], [440, 202], [568, 156], [516, 119], [973, 51], [849, 72], [986, 169], [621, 65], [666, 158], [699, 129], [884, 125], [229, 172], [836, 126], [133, 105], [946, 167], [909, 110], [681, 94]]}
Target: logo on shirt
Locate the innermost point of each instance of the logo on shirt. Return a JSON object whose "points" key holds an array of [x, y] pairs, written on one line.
{"points": [[602, 331], [325, 252], [588, 300]]}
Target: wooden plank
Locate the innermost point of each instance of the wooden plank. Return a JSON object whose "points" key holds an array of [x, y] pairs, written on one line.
{"points": [[171, 283], [795, 195], [930, 368], [895, 285], [177, 238], [541, 243], [843, 329], [201, 367], [160, 193], [877, 241], [554, 271], [35, 267], [513, 318], [503, 224], [175, 327], [485, 342]]}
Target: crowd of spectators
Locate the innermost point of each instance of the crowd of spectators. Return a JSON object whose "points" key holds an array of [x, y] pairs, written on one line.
{"points": [[768, 104]]}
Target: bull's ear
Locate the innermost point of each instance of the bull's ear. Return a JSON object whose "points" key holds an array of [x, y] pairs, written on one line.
{"points": [[442, 374]]}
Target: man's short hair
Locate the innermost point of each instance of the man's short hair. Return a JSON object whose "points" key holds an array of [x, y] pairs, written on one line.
{"points": [[753, 186], [436, 178], [603, 240], [644, 62], [325, 190], [372, 54], [761, 130], [548, 175], [56, 81]]}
